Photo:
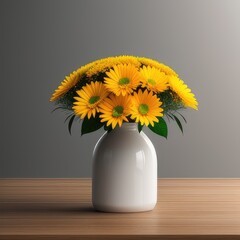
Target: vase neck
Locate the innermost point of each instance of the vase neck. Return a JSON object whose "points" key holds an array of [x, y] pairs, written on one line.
{"points": [[129, 126]]}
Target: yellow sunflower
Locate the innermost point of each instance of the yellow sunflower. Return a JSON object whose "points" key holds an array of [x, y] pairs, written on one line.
{"points": [[122, 79], [69, 82], [160, 66], [102, 65], [115, 110], [90, 96], [181, 89], [146, 108], [153, 79]]}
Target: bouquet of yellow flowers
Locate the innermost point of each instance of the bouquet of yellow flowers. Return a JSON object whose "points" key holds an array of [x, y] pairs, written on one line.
{"points": [[110, 91]]}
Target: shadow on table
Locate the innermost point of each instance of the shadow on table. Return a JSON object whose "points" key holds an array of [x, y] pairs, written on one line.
{"points": [[46, 208], [42, 208]]}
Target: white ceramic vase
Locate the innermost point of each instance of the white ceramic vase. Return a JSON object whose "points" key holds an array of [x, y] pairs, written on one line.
{"points": [[124, 171]]}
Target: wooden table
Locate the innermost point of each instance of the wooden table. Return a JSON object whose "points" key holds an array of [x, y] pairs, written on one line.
{"points": [[61, 209]]}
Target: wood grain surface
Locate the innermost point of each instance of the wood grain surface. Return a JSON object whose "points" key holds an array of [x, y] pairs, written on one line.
{"points": [[61, 209]]}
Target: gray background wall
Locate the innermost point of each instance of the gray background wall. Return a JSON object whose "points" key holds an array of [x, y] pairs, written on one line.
{"points": [[42, 41]]}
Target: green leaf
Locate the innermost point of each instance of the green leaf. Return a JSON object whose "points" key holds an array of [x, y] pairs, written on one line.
{"points": [[182, 117], [140, 127], [160, 127], [68, 117], [91, 125], [108, 128], [168, 114], [57, 109], [178, 123], [70, 123]]}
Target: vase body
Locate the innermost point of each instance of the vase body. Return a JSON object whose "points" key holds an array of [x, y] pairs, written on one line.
{"points": [[124, 171]]}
